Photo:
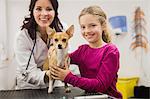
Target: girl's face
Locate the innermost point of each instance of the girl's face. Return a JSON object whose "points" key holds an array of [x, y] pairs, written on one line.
{"points": [[43, 13], [91, 28]]}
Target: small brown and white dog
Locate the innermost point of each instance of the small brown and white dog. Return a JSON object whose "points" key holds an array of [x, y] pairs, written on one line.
{"points": [[58, 52]]}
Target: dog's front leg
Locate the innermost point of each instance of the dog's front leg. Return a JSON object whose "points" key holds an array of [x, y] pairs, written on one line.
{"points": [[50, 89], [51, 81]]}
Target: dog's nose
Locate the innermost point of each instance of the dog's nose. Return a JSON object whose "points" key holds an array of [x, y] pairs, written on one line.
{"points": [[59, 46]]}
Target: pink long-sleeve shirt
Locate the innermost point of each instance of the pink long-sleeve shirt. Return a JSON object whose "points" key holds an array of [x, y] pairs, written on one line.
{"points": [[98, 68]]}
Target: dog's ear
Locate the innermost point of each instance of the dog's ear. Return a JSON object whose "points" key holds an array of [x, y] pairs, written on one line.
{"points": [[70, 31], [50, 32]]}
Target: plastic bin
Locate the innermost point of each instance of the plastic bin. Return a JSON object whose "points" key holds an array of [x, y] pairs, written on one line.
{"points": [[126, 86]]}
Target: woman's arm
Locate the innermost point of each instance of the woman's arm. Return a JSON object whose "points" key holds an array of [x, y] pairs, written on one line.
{"points": [[22, 52]]}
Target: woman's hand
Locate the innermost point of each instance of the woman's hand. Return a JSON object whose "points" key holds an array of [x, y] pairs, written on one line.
{"points": [[58, 73]]}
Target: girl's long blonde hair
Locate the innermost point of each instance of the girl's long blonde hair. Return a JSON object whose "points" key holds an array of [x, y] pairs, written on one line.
{"points": [[97, 11]]}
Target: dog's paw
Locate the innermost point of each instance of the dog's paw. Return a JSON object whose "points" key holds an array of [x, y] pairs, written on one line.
{"points": [[67, 90], [50, 90]]}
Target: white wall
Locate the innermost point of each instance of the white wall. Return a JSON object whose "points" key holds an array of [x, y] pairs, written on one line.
{"points": [[12, 14], [3, 42], [130, 65]]}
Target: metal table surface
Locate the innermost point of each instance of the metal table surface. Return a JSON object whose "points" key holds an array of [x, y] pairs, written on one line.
{"points": [[58, 93]]}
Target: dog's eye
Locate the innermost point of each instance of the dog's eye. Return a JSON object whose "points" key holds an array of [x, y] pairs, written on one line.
{"points": [[56, 40], [64, 40]]}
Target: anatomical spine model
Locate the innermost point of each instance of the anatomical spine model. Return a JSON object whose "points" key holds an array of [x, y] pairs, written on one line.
{"points": [[139, 39]]}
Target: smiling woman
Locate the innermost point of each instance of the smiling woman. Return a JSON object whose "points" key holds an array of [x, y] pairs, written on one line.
{"points": [[32, 43], [43, 13]]}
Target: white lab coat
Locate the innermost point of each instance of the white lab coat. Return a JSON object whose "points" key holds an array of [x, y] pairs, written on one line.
{"points": [[23, 47]]}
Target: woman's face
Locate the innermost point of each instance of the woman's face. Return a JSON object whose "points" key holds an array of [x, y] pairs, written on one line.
{"points": [[43, 13], [91, 28]]}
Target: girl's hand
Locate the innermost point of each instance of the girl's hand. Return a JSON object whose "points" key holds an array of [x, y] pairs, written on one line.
{"points": [[58, 73]]}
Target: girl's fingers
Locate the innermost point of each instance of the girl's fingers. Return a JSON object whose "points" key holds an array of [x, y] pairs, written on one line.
{"points": [[57, 73], [55, 68], [54, 72], [54, 77]]}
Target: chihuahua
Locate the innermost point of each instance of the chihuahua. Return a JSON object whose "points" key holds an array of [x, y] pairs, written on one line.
{"points": [[58, 52]]}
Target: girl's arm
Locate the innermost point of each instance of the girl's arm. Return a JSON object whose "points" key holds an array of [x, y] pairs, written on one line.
{"points": [[105, 76], [107, 73]]}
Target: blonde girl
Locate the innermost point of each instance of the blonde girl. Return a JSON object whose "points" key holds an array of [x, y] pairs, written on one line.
{"points": [[98, 61]]}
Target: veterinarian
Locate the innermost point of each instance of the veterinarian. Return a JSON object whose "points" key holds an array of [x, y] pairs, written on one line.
{"points": [[98, 60], [32, 43]]}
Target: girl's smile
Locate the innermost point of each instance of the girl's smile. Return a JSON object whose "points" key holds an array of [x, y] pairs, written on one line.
{"points": [[91, 29]]}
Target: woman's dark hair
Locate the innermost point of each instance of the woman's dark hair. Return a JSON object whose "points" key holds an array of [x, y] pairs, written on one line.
{"points": [[30, 24]]}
